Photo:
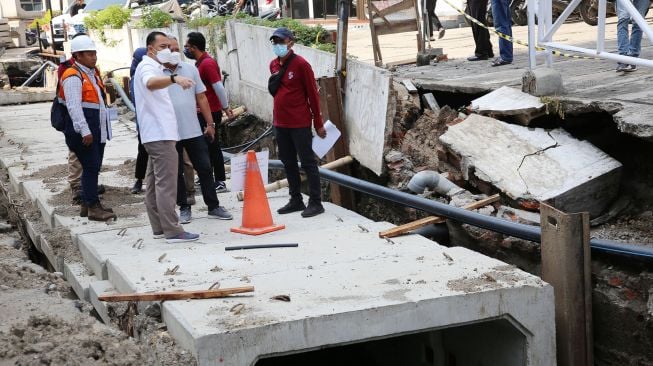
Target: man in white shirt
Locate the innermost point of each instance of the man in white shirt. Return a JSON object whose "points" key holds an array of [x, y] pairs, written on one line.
{"points": [[159, 134], [191, 135]]}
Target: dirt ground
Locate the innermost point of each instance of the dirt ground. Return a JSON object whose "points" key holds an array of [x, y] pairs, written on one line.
{"points": [[43, 323]]}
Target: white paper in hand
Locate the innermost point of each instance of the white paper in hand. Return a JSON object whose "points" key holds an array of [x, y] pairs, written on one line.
{"points": [[321, 146], [239, 167]]}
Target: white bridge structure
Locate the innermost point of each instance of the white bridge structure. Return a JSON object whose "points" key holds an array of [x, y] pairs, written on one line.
{"points": [[541, 35]]}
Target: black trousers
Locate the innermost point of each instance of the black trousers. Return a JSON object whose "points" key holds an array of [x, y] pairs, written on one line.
{"points": [[198, 152], [215, 151], [433, 18], [478, 10], [293, 142], [141, 160]]}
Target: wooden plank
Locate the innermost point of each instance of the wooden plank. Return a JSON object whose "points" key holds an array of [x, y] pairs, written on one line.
{"points": [[412, 89], [394, 8], [405, 228], [333, 109], [177, 295], [566, 265]]}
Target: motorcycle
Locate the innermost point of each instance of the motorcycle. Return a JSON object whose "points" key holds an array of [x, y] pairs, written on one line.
{"points": [[589, 10], [30, 37]]}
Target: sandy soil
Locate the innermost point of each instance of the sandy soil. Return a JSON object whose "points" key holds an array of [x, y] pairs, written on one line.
{"points": [[42, 323]]}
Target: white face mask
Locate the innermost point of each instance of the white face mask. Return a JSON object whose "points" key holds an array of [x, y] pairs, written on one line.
{"points": [[175, 58], [163, 56]]}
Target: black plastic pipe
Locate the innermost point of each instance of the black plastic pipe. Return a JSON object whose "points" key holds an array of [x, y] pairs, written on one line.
{"points": [[521, 231], [262, 246]]}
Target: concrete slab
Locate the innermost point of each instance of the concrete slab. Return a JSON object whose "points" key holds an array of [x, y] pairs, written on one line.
{"points": [[79, 278], [28, 95], [511, 103], [33, 234], [533, 165], [56, 261], [96, 289]]}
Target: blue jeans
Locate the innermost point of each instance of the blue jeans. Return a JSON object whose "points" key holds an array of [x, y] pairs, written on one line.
{"points": [[632, 46], [503, 24], [91, 159]]}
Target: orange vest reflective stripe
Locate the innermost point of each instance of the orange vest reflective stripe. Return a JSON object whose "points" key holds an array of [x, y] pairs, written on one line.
{"points": [[90, 98]]}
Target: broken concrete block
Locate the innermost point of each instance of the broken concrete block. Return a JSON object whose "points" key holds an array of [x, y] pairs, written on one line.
{"points": [[520, 216], [430, 102], [533, 165], [511, 103], [542, 81]]}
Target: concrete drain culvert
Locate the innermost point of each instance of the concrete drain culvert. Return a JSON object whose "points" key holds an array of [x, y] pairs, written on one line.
{"points": [[496, 342]]}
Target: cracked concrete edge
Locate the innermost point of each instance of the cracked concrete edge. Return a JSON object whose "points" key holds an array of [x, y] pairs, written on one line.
{"points": [[77, 275]]}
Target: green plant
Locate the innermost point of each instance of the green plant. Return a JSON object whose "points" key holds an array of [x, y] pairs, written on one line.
{"points": [[113, 16], [45, 19], [154, 17]]}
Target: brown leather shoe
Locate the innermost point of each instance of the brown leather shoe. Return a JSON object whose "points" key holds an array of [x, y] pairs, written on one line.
{"points": [[83, 209], [96, 213]]}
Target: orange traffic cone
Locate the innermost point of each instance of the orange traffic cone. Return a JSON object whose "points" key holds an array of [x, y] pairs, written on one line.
{"points": [[257, 218]]}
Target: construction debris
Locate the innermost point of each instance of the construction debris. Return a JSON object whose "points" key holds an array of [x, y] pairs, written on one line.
{"points": [[531, 165], [176, 295], [510, 103]]}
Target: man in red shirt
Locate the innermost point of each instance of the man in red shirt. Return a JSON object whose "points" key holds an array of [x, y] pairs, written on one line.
{"points": [[195, 49], [296, 110]]}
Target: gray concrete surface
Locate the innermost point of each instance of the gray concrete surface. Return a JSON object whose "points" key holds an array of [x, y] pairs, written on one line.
{"points": [[535, 164], [346, 285]]}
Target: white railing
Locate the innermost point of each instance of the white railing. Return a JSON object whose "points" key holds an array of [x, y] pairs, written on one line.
{"points": [[541, 36]]}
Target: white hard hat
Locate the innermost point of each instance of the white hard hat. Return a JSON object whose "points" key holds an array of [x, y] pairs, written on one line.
{"points": [[82, 43]]}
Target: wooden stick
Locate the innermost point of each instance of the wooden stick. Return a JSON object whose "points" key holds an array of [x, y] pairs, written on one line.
{"points": [[403, 229], [275, 186], [176, 295]]}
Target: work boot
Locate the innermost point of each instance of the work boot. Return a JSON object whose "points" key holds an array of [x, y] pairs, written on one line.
{"points": [[96, 213], [313, 209], [293, 206], [83, 209], [138, 187]]}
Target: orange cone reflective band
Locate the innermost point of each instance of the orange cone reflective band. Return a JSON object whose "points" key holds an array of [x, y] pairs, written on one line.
{"points": [[257, 218]]}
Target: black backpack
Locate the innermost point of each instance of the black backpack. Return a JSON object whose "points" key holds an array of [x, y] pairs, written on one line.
{"points": [[59, 116]]}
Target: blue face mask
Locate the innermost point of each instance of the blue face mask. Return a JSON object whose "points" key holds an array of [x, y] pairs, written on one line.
{"points": [[280, 50], [188, 54]]}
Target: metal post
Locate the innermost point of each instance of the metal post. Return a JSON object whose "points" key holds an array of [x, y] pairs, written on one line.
{"points": [[600, 36], [566, 265], [532, 59], [48, 4], [38, 36], [341, 40], [548, 20]]}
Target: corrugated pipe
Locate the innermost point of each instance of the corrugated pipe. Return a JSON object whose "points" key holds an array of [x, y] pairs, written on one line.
{"points": [[434, 182], [495, 224], [123, 95]]}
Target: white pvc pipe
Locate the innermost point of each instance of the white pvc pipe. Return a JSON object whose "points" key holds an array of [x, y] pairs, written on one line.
{"points": [[600, 35], [605, 55], [562, 18]]}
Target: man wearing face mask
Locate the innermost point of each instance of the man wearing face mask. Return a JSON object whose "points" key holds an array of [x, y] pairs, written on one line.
{"points": [[195, 49], [191, 137], [159, 133], [296, 108]]}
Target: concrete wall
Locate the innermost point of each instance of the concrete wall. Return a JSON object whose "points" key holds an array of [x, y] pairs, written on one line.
{"points": [[246, 56]]}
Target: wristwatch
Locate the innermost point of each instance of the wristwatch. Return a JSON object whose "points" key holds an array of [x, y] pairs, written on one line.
{"points": [[172, 78]]}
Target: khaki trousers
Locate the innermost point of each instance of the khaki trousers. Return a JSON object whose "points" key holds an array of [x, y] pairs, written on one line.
{"points": [[189, 174], [161, 187], [74, 172]]}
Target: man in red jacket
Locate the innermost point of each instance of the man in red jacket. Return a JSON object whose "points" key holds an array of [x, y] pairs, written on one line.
{"points": [[296, 110]]}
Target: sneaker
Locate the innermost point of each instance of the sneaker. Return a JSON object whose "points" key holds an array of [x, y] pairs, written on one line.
{"points": [[313, 209], [631, 68], [500, 62], [158, 235], [292, 206], [185, 215], [183, 237], [622, 68], [441, 33], [220, 213], [431, 38], [138, 187], [220, 187]]}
